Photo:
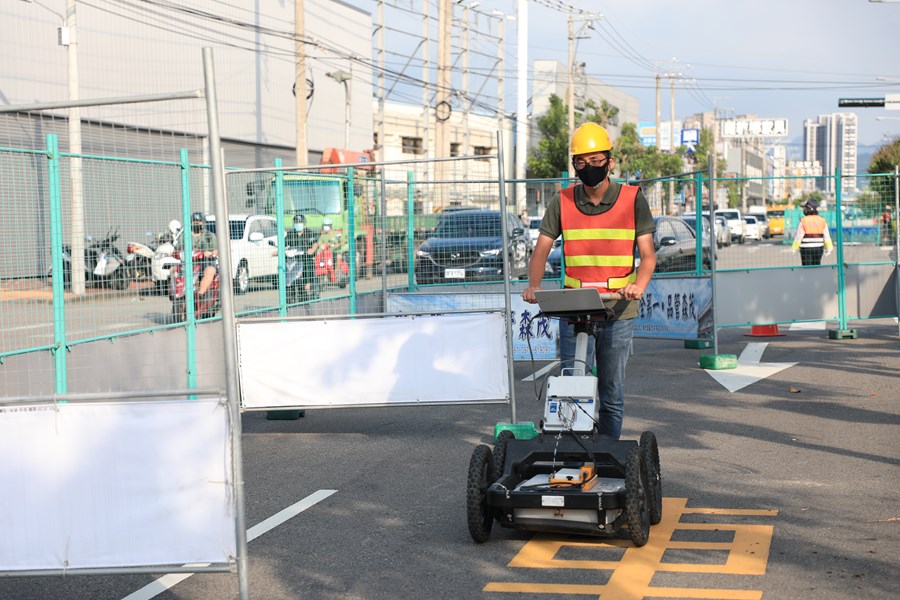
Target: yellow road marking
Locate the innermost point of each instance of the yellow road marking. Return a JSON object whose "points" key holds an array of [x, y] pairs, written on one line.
{"points": [[748, 554]]}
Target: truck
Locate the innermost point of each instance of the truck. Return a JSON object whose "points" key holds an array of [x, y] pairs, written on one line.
{"points": [[329, 193]]}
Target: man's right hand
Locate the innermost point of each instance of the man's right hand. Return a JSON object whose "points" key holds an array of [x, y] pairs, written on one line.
{"points": [[528, 294]]}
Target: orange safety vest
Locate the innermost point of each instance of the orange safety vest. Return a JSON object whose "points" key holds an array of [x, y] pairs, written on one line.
{"points": [[599, 249], [813, 231]]}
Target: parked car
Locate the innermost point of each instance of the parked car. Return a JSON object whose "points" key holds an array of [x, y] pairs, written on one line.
{"points": [[753, 229], [676, 246], [468, 246], [707, 229], [534, 229], [553, 269], [763, 220], [723, 233], [736, 224], [674, 241], [253, 248]]}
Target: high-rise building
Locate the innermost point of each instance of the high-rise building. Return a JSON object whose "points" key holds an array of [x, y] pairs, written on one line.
{"points": [[831, 140]]}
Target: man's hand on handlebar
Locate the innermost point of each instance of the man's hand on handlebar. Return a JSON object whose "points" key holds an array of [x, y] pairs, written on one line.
{"points": [[528, 294], [632, 291]]}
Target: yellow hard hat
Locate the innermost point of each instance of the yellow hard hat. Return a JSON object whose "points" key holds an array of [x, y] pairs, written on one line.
{"points": [[590, 137]]}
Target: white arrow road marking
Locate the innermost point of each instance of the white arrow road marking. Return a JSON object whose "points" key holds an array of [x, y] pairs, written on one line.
{"points": [[541, 372], [172, 579], [749, 369], [808, 326]]}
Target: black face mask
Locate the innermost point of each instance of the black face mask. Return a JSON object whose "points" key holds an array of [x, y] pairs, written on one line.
{"points": [[592, 176], [197, 228]]}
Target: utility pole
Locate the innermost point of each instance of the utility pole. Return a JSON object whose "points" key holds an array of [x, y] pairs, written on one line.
{"points": [[442, 99], [300, 89], [380, 41], [570, 95], [426, 91], [521, 102], [657, 111], [467, 106]]}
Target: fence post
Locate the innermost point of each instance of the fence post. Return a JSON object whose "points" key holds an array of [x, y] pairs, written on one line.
{"points": [[351, 241], [59, 311], [187, 257], [410, 229], [279, 228], [842, 331]]}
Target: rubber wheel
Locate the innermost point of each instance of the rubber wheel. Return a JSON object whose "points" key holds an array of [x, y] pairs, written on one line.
{"points": [[179, 310], [650, 461], [481, 475], [242, 279], [636, 498], [500, 452], [120, 280]]}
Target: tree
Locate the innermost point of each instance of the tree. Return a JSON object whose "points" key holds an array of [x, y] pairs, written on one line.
{"points": [[551, 157], [885, 160]]}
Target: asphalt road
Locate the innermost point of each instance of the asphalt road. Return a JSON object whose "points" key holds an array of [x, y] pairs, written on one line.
{"points": [[794, 479]]}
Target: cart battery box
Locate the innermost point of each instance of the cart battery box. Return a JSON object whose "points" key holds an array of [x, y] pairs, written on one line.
{"points": [[570, 477], [571, 403]]}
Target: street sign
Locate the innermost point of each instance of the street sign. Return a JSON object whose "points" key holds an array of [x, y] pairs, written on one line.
{"points": [[860, 102], [753, 128]]}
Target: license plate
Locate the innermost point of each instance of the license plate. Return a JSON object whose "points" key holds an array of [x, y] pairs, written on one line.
{"points": [[454, 273]]}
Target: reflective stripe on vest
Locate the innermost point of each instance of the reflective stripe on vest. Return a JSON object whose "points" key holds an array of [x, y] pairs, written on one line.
{"points": [[599, 249], [813, 231]]}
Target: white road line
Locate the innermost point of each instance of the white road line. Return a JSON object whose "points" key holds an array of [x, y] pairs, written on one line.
{"points": [[541, 372], [170, 580]]}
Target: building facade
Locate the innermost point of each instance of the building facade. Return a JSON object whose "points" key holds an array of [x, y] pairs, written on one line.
{"points": [[831, 140]]}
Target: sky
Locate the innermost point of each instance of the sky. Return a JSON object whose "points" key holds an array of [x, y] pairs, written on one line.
{"points": [[772, 58]]}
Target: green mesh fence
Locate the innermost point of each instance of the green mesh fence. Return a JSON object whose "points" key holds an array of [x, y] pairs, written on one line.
{"points": [[424, 228]]}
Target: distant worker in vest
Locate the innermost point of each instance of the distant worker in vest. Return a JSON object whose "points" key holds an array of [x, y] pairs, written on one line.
{"points": [[601, 223], [812, 237]]}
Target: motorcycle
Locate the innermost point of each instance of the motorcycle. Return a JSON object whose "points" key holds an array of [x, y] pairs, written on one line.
{"points": [[103, 264], [327, 272], [205, 306], [162, 261], [296, 281]]}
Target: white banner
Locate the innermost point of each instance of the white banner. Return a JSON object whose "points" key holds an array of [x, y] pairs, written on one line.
{"points": [[93, 485], [532, 338], [393, 360], [677, 308]]}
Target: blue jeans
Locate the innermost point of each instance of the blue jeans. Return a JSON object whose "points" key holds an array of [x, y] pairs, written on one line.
{"points": [[613, 348], [567, 350]]}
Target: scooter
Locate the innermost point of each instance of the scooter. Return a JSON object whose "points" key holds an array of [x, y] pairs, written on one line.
{"points": [[162, 261], [326, 271], [103, 263], [296, 280], [205, 306], [138, 258]]}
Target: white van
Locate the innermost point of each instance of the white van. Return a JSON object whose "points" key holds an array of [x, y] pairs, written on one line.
{"points": [[735, 224]]}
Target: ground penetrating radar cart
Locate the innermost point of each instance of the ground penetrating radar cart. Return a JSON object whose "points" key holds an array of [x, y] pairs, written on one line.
{"points": [[566, 477]]}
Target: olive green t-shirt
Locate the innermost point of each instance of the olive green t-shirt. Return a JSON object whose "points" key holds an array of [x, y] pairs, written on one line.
{"points": [[551, 226]]}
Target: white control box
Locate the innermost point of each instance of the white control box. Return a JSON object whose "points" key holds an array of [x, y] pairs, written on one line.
{"points": [[571, 403]]}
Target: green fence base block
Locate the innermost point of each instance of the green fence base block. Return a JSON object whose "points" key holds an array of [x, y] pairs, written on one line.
{"points": [[718, 362], [842, 334], [284, 415], [698, 343], [522, 431]]}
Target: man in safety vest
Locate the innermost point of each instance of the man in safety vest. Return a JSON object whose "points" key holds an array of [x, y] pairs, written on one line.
{"points": [[812, 236], [601, 223]]}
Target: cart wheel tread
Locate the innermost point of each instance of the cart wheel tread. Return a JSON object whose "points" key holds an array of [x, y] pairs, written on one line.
{"points": [[500, 452], [636, 500], [650, 458], [481, 475]]}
